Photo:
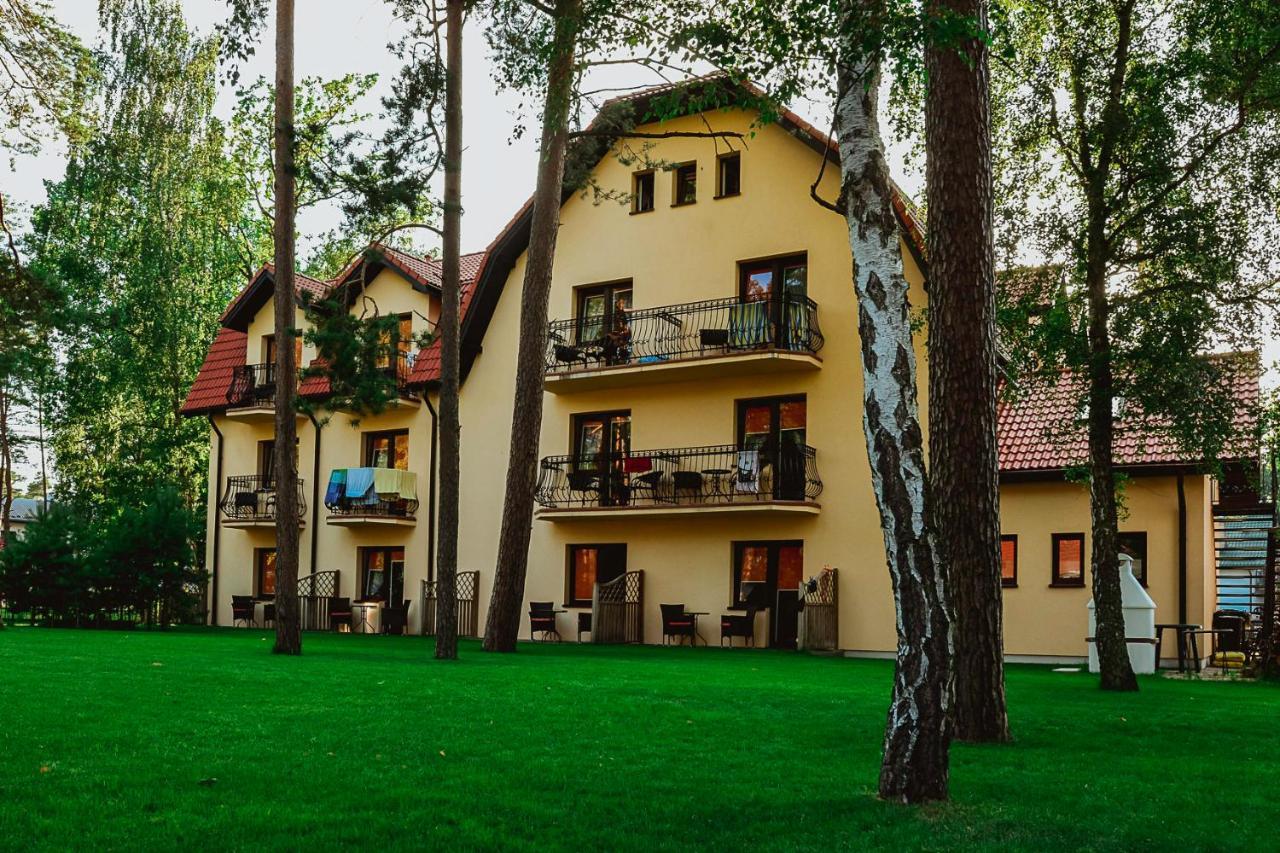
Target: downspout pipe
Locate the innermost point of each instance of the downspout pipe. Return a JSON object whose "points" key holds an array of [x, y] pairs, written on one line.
{"points": [[315, 490], [217, 525], [1182, 552], [431, 488]]}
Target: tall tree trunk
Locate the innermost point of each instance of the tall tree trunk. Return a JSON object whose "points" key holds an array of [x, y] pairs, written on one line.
{"points": [[450, 294], [918, 732], [288, 618], [963, 463], [503, 622], [6, 463]]}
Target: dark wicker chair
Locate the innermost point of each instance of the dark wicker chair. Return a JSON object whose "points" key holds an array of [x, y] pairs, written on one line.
{"points": [[584, 624], [738, 625], [395, 620], [542, 620], [269, 613], [688, 482], [676, 623], [585, 483], [340, 613], [242, 610]]}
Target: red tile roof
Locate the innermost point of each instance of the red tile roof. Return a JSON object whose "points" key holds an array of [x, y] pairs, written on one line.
{"points": [[209, 391], [1041, 430], [426, 367]]}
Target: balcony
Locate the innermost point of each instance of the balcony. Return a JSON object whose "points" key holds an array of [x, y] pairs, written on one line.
{"points": [[720, 337], [252, 395], [683, 481], [377, 497], [250, 501]]}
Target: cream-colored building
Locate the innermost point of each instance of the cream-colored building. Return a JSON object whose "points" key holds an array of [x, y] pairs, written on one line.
{"points": [[701, 440]]}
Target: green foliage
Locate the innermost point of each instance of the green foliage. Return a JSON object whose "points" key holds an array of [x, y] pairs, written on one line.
{"points": [[46, 569], [42, 70]]}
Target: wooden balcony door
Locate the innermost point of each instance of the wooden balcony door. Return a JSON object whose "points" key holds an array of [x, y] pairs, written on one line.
{"points": [[782, 283], [602, 443], [775, 428]]}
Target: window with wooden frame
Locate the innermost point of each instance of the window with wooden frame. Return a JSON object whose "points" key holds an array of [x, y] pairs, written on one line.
{"points": [[728, 175], [761, 569], [382, 574], [1134, 543], [269, 350], [685, 184], [589, 565], [387, 449], [642, 184], [264, 572], [1009, 560], [1068, 559]]}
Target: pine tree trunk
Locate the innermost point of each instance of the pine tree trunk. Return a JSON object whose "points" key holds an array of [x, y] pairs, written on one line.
{"points": [[1113, 652], [6, 464], [288, 617], [503, 622], [963, 463], [450, 295], [914, 767]]}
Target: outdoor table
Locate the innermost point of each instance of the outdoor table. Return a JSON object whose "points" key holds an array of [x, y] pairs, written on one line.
{"points": [[1209, 632], [717, 476], [363, 615], [696, 636], [1185, 637]]}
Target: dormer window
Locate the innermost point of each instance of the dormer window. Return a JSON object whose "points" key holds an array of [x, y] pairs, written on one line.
{"points": [[728, 175], [686, 184], [642, 192]]}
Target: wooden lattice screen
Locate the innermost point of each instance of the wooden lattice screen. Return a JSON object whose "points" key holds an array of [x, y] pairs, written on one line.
{"points": [[821, 629], [617, 610], [315, 593], [468, 609]]}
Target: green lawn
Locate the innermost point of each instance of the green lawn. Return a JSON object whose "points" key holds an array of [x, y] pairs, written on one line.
{"points": [[115, 740]]}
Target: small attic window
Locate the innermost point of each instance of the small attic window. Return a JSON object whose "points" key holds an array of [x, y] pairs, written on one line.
{"points": [[642, 192], [728, 175], [686, 184]]}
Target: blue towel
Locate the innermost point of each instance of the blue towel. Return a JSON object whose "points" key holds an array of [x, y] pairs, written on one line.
{"points": [[337, 487], [360, 486]]}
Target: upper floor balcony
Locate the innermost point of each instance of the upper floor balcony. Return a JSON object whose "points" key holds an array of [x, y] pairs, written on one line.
{"points": [[680, 481], [372, 497], [718, 337], [250, 501], [252, 394]]}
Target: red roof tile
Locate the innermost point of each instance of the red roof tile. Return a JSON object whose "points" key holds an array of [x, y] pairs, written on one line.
{"points": [[426, 367], [1041, 430], [209, 391], [428, 271]]}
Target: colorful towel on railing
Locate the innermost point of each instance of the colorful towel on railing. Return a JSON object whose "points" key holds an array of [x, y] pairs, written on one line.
{"points": [[337, 487], [749, 324], [386, 482], [360, 486], [748, 474], [408, 488]]}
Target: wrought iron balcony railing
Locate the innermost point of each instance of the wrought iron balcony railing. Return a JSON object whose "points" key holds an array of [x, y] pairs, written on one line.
{"points": [[686, 476], [717, 327], [371, 503], [252, 497], [252, 385]]}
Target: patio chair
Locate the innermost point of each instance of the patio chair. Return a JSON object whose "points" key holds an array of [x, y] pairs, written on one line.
{"points": [[584, 624], [1229, 648], [739, 625], [242, 610], [688, 482], [246, 503], [340, 613], [585, 483], [676, 623], [542, 620], [566, 354], [268, 613], [395, 620]]}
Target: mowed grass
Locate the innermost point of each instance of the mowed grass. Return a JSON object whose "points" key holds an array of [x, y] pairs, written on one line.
{"points": [[201, 738]]}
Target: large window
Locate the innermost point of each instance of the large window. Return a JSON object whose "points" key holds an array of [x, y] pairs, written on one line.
{"points": [[269, 350], [382, 574], [761, 569], [601, 445], [1068, 559], [642, 192], [772, 438], [398, 340], [589, 565], [685, 189], [1134, 544], [603, 315], [1009, 560], [728, 174], [388, 449], [265, 570]]}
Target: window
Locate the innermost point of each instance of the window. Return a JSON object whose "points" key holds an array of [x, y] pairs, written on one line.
{"points": [[601, 445], [1009, 560], [589, 565], [1068, 559], [603, 316], [728, 175], [269, 349], [761, 569], [398, 340], [686, 184], [773, 431], [642, 192], [1135, 545], [387, 449], [265, 570], [266, 459], [382, 572]]}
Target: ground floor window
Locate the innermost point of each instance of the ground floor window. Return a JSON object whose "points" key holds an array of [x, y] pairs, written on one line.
{"points": [[1134, 543], [1009, 560], [1068, 559], [760, 569], [264, 560], [382, 574], [591, 564]]}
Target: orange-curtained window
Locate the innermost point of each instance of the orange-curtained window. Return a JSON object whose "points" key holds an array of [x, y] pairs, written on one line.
{"points": [[266, 571], [585, 565], [790, 566], [1068, 559], [1009, 560]]}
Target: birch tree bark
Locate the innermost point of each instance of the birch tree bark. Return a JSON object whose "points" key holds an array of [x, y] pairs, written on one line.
{"points": [[914, 767]]}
